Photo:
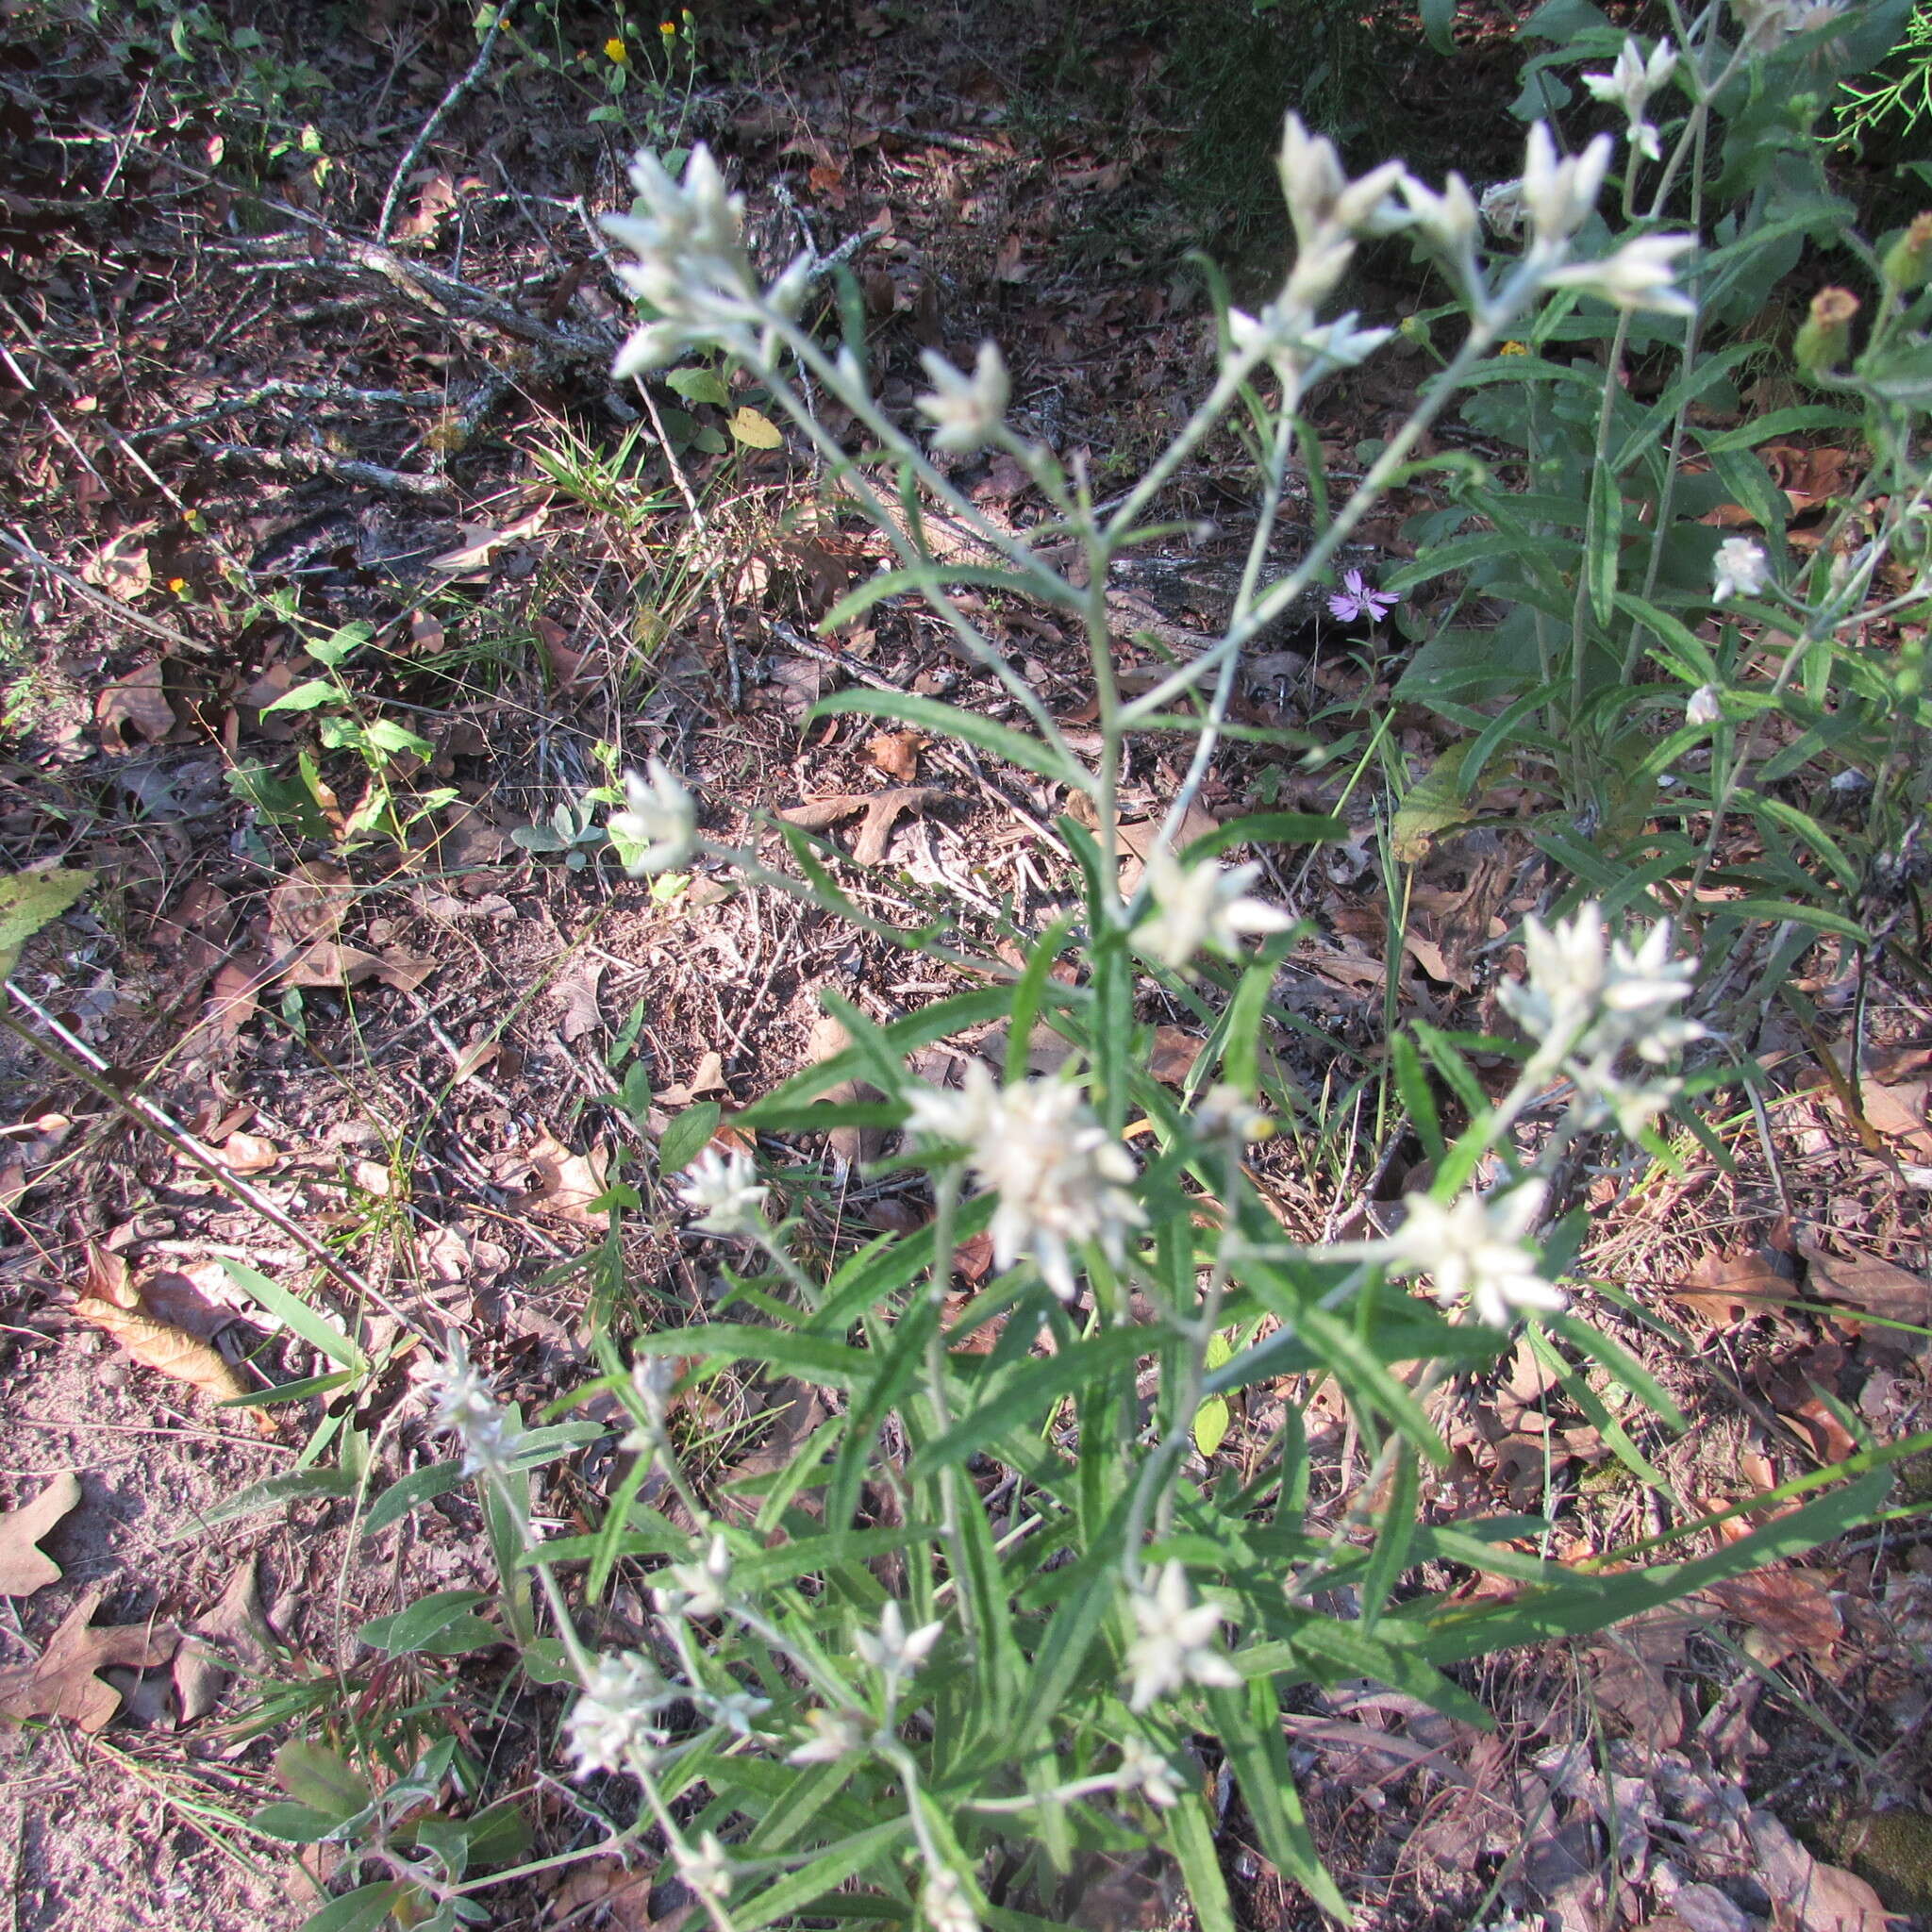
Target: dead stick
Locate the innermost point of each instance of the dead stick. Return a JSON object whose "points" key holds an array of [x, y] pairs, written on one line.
{"points": [[463, 84]]}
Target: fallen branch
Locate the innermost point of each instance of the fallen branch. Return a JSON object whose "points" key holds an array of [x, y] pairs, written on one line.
{"points": [[318, 462]]}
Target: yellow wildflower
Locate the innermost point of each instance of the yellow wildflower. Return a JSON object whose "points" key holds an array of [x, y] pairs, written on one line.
{"points": [[616, 52]]}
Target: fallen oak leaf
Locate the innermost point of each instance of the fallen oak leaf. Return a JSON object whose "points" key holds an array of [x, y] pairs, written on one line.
{"points": [[24, 1567], [1869, 1285], [60, 1682], [234, 1634], [1726, 1289], [1789, 1613], [567, 1183], [882, 809]]}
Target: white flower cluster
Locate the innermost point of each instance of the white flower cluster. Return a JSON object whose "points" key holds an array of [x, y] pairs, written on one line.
{"points": [[1197, 906], [610, 1726], [895, 1652], [1477, 1251], [966, 410], [1178, 1644], [945, 1904], [690, 266], [1062, 1178], [1589, 998], [466, 1408], [1768, 22], [1630, 84], [727, 1192], [660, 828], [1740, 569]]}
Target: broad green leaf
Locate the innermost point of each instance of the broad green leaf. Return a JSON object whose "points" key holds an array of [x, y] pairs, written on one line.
{"points": [[811, 1357], [296, 1315], [441, 1625], [699, 386], [338, 645], [686, 1137], [322, 1779], [305, 697], [29, 900], [1439, 24], [364, 1909], [296, 1824], [1433, 804], [1212, 1418], [419, 1486], [272, 1491]]}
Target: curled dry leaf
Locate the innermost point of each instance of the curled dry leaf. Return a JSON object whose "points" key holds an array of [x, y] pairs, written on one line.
{"points": [[896, 753], [575, 993], [169, 1351], [566, 1183], [120, 568], [1866, 1284], [133, 711], [61, 1681], [24, 1567]]}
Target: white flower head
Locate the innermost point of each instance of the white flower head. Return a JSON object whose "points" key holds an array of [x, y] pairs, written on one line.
{"points": [[690, 261], [1559, 195], [1197, 906], [706, 1868], [1741, 568], [895, 1653], [737, 1710], [1062, 1178], [1450, 221], [1179, 1642], [1637, 275], [1630, 84], [944, 1902], [1321, 201], [1589, 1000], [466, 1408], [836, 1735], [966, 410], [1502, 208], [1477, 1251], [727, 1192], [697, 1591], [609, 1727], [1144, 1770], [659, 828], [1703, 706]]}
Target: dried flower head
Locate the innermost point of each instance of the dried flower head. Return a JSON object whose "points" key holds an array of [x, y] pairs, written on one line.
{"points": [[1205, 905], [1559, 193], [835, 1734], [659, 829], [1477, 1251], [652, 1379], [727, 1192], [697, 1591], [966, 410], [1144, 1770], [610, 1727], [706, 1868], [1062, 1178], [1179, 1642], [691, 264]]}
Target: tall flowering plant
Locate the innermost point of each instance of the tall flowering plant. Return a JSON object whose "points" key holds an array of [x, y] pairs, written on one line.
{"points": [[997, 1612]]}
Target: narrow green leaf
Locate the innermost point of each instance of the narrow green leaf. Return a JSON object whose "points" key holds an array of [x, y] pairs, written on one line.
{"points": [[948, 720], [296, 1315], [687, 1136], [419, 1486]]}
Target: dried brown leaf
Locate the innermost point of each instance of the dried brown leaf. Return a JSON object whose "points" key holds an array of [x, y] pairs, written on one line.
{"points": [[1811, 1897], [1866, 1284], [311, 903], [567, 1183], [61, 1681], [24, 1567], [234, 1634], [168, 1351], [133, 711], [575, 992], [896, 753], [120, 568], [1789, 1609], [1172, 1056], [1727, 1289]]}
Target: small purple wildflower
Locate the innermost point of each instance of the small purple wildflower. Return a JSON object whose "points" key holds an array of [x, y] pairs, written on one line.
{"points": [[1356, 599]]}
